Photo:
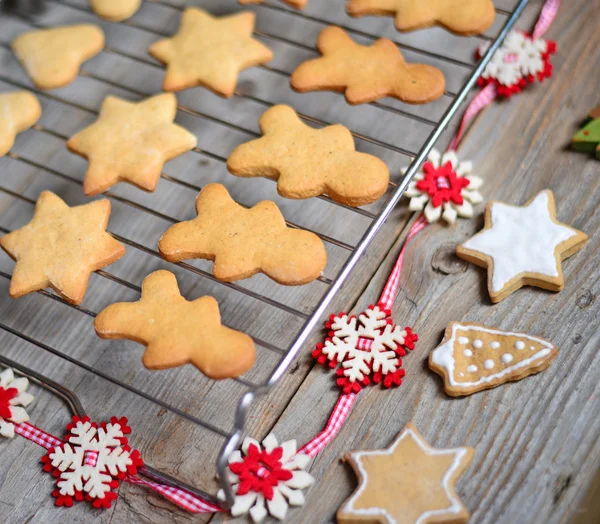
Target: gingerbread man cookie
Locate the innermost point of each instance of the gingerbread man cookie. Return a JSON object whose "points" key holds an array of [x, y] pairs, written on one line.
{"points": [[210, 51], [176, 331], [472, 357], [52, 57], [115, 10], [298, 4], [243, 242], [20, 110], [130, 142], [408, 482], [464, 17], [61, 247], [308, 162], [366, 73], [522, 246]]}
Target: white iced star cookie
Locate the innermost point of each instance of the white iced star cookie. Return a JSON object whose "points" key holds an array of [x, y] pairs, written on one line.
{"points": [[522, 246], [13, 400], [444, 188]]}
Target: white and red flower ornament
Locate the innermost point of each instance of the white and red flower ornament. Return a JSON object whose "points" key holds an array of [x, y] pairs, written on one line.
{"points": [[520, 60], [367, 347], [267, 479], [91, 462], [444, 188], [13, 400]]}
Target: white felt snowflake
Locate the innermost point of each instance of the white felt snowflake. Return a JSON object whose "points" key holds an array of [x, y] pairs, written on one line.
{"points": [[444, 184], [91, 461], [268, 479], [519, 60], [13, 399], [367, 347]]}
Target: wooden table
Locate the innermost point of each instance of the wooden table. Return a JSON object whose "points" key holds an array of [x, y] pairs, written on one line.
{"points": [[536, 441]]}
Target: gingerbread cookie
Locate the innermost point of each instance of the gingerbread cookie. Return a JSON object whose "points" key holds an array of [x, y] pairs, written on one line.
{"points": [[115, 10], [298, 4], [472, 358], [60, 247], [243, 242], [464, 17], [52, 57], [210, 51], [130, 142], [588, 139], [407, 482], [19, 110], [522, 246], [308, 162], [366, 73], [176, 331]]}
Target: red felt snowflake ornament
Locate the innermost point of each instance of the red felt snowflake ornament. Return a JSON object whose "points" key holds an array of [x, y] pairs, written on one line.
{"points": [[366, 348], [91, 462]]}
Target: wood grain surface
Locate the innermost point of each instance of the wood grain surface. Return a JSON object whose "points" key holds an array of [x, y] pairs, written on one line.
{"points": [[536, 441]]}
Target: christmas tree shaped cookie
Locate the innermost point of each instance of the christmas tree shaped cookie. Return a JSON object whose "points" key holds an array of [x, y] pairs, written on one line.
{"points": [[177, 331], [52, 57], [472, 357], [588, 138]]}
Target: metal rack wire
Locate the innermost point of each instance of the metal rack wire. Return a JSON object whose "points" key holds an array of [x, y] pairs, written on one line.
{"points": [[429, 127]]}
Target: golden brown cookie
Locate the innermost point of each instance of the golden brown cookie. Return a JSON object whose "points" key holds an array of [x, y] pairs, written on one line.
{"points": [[115, 10], [464, 17], [210, 51], [366, 73], [52, 57], [19, 110], [243, 242], [130, 142], [176, 331], [308, 162], [522, 246], [60, 247], [408, 482], [298, 4], [472, 357]]}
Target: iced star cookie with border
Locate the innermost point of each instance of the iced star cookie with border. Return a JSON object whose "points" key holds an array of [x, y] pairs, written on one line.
{"points": [[522, 245], [407, 482], [20, 110], [472, 357]]}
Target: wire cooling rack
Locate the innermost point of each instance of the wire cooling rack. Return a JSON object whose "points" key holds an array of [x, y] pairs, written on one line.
{"points": [[389, 129]]}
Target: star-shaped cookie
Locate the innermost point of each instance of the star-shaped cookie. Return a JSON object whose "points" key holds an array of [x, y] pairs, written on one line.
{"points": [[60, 247], [115, 10], [522, 246], [408, 482], [298, 4], [308, 162], [243, 242], [19, 110], [210, 51], [177, 331], [52, 57], [366, 73], [130, 142], [465, 17]]}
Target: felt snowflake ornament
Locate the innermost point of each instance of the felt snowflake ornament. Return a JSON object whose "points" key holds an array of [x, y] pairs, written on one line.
{"points": [[267, 479], [520, 60], [444, 187], [13, 400], [366, 348], [91, 462]]}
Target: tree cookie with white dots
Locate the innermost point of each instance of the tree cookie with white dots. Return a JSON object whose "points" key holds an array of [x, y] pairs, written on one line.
{"points": [[472, 357]]}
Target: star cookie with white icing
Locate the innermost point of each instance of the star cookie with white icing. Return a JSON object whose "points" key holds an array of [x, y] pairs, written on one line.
{"points": [[407, 482], [472, 357], [522, 246]]}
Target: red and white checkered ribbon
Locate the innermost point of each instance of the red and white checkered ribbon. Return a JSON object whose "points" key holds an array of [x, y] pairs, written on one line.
{"points": [[336, 420], [489, 92], [182, 498]]}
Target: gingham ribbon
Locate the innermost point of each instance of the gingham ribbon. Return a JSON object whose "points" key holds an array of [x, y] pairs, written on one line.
{"points": [[489, 93], [336, 420], [182, 498]]}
